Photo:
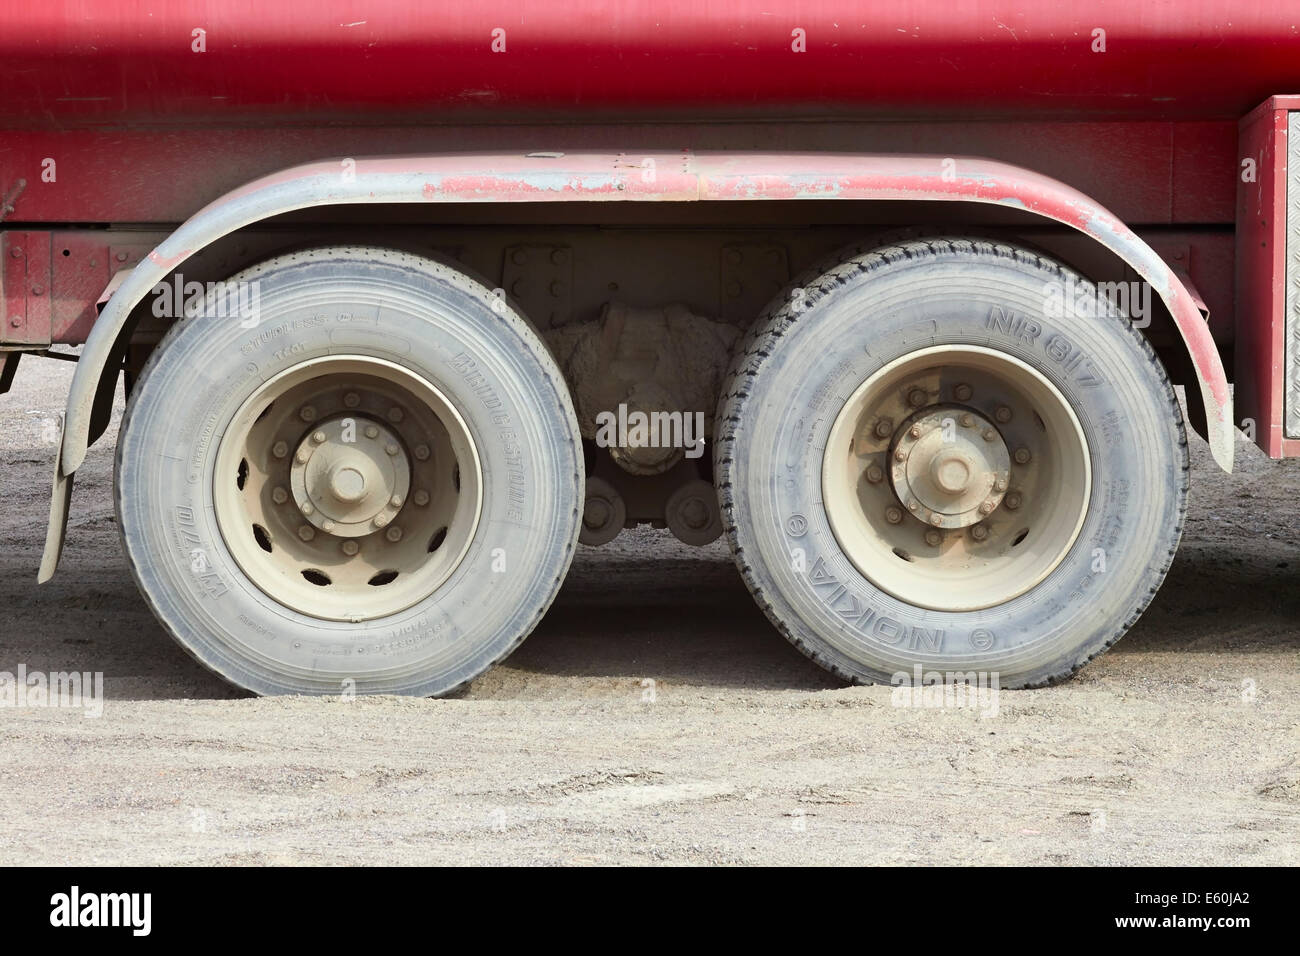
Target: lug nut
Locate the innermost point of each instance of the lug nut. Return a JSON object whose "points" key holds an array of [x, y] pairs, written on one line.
{"points": [[893, 515], [1022, 456], [372, 431], [307, 413], [1003, 414], [986, 507], [900, 455], [421, 497], [915, 431], [302, 456], [1012, 500], [393, 534], [912, 506], [279, 496], [351, 400], [381, 520], [874, 474], [350, 547], [390, 448], [933, 538], [307, 508], [1000, 485], [967, 421], [306, 532], [979, 532], [916, 397], [395, 414], [318, 438], [990, 434], [884, 427], [962, 392], [422, 452], [327, 525], [279, 449], [936, 519], [395, 501]]}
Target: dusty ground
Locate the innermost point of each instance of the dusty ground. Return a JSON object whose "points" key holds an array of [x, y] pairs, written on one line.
{"points": [[1179, 746]]}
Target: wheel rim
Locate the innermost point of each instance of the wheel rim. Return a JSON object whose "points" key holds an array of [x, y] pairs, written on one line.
{"points": [[956, 478], [347, 488]]}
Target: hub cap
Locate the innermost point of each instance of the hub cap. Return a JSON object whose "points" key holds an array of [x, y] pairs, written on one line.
{"points": [[956, 478]]}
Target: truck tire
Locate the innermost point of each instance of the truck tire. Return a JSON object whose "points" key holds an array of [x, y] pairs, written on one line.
{"points": [[931, 457], [364, 476]]}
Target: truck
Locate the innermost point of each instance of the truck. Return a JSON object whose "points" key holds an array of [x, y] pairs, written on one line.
{"points": [[410, 300]]}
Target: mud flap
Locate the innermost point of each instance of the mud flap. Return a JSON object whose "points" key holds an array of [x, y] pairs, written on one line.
{"points": [[58, 527]]}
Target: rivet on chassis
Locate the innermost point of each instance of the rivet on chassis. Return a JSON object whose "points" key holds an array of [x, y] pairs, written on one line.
{"points": [[395, 414], [1012, 500], [393, 534], [373, 432], [962, 392], [1022, 456], [307, 413], [916, 397], [350, 547], [421, 497], [306, 532], [351, 399], [279, 449], [875, 474], [933, 538], [893, 515], [884, 427], [279, 496], [979, 532], [1003, 414], [422, 452]]}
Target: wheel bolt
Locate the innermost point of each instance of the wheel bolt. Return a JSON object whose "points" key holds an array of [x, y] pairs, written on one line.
{"points": [[962, 392], [307, 413], [306, 532], [395, 501], [303, 455], [933, 538], [1022, 456], [390, 448], [936, 519], [381, 520], [279, 449], [279, 496], [874, 474], [884, 427], [1003, 414], [327, 525], [307, 508], [911, 506], [421, 497], [893, 515], [967, 421], [915, 431], [986, 507], [318, 437], [395, 414], [393, 534], [422, 452], [350, 547], [351, 400], [990, 434], [1000, 485], [979, 532], [1012, 500], [372, 431], [900, 455], [916, 397]]}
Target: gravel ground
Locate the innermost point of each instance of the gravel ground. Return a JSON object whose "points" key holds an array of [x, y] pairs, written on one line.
{"points": [[1179, 746]]}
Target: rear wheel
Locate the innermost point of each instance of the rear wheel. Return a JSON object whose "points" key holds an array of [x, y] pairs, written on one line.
{"points": [[923, 464], [371, 486]]}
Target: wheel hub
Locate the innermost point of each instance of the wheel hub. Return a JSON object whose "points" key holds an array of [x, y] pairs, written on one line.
{"points": [[350, 476], [950, 466]]}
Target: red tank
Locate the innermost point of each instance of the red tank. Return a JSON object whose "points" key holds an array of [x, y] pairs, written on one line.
{"points": [[397, 60]]}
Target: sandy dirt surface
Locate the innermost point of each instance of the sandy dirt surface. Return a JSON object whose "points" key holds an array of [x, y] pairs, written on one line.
{"points": [[1179, 746]]}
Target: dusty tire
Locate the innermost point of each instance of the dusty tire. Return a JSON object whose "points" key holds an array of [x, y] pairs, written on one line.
{"points": [[800, 370], [404, 323]]}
